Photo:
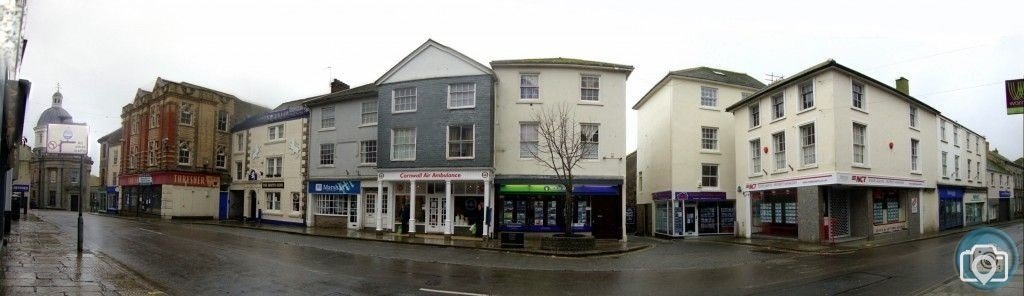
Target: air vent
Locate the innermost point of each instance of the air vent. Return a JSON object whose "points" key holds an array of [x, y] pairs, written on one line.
{"points": [[719, 73]]}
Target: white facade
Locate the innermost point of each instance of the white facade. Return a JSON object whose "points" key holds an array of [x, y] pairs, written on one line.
{"points": [[964, 163], [269, 168], [113, 164], [676, 152]]}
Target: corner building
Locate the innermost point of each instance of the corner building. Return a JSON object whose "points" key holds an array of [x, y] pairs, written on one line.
{"points": [[830, 154], [435, 142], [529, 195]]}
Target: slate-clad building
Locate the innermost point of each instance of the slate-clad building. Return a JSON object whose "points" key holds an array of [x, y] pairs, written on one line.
{"points": [[434, 131]]}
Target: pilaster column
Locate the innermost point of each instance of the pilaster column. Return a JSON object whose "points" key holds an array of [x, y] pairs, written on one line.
{"points": [[412, 207], [448, 227], [377, 205]]}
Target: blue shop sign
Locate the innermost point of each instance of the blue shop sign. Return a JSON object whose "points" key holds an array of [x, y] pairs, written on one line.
{"points": [[111, 189], [334, 187], [1004, 194], [951, 192], [19, 188]]}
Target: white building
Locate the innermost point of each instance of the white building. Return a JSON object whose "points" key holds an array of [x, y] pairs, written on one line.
{"points": [[961, 175], [529, 197], [685, 152], [1000, 191], [269, 169], [832, 145]]}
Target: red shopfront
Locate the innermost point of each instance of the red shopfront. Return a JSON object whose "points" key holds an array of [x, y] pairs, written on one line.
{"points": [[143, 193]]}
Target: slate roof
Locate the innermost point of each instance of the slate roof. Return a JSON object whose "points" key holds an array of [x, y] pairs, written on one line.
{"points": [[830, 63], [359, 92], [112, 137], [564, 61], [719, 75]]}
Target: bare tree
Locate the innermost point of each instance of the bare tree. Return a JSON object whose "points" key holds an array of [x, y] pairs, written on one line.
{"points": [[562, 143]]}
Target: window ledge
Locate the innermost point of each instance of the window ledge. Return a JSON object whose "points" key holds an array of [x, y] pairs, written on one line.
{"points": [[529, 101], [591, 103], [861, 166], [779, 172], [367, 165], [755, 176], [403, 160], [710, 108], [460, 158], [806, 110], [367, 125], [405, 111], [325, 166], [777, 120], [860, 110], [716, 152], [461, 108], [944, 141], [915, 128], [807, 167], [916, 173], [327, 129], [754, 128]]}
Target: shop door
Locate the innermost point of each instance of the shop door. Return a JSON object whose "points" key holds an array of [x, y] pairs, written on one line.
{"points": [[370, 208], [839, 211], [607, 213], [352, 211], [74, 202], [435, 214], [252, 204], [690, 220]]}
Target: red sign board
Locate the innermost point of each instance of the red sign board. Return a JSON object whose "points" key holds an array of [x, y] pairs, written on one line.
{"points": [[1015, 96], [172, 178]]}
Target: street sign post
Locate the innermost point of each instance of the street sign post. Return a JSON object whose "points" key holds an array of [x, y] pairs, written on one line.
{"points": [[71, 139]]}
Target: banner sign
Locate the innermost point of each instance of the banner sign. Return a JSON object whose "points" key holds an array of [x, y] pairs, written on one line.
{"points": [[273, 185], [434, 175], [333, 187], [170, 178], [662, 195], [700, 195], [1015, 96], [67, 139]]}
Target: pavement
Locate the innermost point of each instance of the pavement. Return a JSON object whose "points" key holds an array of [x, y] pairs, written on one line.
{"points": [[41, 259], [192, 259], [954, 286], [604, 247]]}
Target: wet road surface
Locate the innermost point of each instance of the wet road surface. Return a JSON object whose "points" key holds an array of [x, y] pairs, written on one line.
{"points": [[188, 259]]}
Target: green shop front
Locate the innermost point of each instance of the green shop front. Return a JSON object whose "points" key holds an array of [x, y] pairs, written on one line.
{"points": [[596, 208]]}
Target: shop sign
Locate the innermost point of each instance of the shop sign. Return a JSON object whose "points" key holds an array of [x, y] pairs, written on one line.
{"points": [[557, 188], [662, 195], [976, 198], [794, 182], [436, 175], [1015, 96], [145, 180], [891, 227], [951, 192], [273, 185], [699, 196], [67, 139], [333, 187], [111, 189], [20, 187], [1004, 194], [880, 181], [171, 178]]}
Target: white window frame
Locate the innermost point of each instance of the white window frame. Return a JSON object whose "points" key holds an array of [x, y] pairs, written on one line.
{"points": [[327, 161], [415, 99], [956, 136], [915, 155], [239, 170], [969, 170], [413, 144], [863, 144], [779, 149], [780, 113], [153, 151], [808, 150], [275, 136], [186, 110], [448, 142], [942, 130], [945, 165], [956, 167], [364, 155], [240, 145], [184, 152], [583, 97], [366, 113], [800, 96], [523, 141], [220, 160], [967, 137], [590, 141], [711, 100], [522, 87], [154, 117], [913, 117], [327, 122], [223, 121], [716, 177], [755, 115], [470, 106], [272, 170], [273, 200], [863, 96], [755, 157], [705, 140]]}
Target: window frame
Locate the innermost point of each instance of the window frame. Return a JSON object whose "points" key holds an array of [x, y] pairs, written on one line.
{"points": [[854, 84], [186, 109], [328, 122], [223, 120], [275, 171], [590, 140], [220, 159], [756, 165], [184, 152], [780, 112], [414, 96], [914, 117], [448, 142], [523, 141], [364, 154], [713, 98], [915, 155], [240, 145], [583, 87], [364, 114], [716, 177], [713, 140], [779, 148], [393, 144], [279, 136], [806, 149], [537, 86], [754, 117], [863, 145], [273, 200], [449, 100], [802, 96], [327, 161]]}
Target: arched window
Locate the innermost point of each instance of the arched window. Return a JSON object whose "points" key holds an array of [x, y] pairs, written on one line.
{"points": [[184, 154], [222, 159]]}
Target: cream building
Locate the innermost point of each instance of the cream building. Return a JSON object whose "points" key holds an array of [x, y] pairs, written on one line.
{"points": [[269, 168], [527, 195], [1000, 190], [110, 168], [835, 147], [685, 150], [961, 175]]}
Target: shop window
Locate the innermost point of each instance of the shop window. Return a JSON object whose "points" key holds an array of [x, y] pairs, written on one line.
{"points": [[335, 204], [273, 200], [296, 201], [886, 208], [582, 215]]}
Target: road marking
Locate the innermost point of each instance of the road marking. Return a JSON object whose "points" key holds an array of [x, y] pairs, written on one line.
{"points": [[451, 292], [153, 231]]}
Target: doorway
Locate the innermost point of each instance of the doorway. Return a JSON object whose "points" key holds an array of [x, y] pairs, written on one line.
{"points": [[74, 202], [607, 213], [236, 205], [252, 204], [690, 220], [435, 214]]}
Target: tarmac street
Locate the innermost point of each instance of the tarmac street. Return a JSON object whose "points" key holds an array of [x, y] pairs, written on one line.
{"points": [[189, 259]]}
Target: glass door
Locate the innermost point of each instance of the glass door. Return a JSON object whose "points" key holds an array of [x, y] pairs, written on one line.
{"points": [[690, 220], [435, 214]]}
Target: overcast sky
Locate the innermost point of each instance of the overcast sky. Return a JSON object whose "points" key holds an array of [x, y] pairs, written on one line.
{"points": [[956, 56]]}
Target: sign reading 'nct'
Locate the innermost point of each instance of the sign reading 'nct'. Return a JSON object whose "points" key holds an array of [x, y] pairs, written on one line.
{"points": [[1015, 96]]}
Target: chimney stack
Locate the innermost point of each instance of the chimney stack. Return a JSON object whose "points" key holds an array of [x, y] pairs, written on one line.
{"points": [[337, 86], [903, 85]]}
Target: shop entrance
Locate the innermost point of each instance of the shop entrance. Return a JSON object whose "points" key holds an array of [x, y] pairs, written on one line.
{"points": [[839, 211], [436, 209], [607, 218], [252, 204], [690, 221], [951, 213]]}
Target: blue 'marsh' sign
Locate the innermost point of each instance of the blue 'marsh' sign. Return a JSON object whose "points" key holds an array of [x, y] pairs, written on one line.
{"points": [[334, 187]]}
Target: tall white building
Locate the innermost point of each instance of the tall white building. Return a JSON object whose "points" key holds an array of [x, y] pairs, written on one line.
{"points": [[686, 152], [961, 175]]}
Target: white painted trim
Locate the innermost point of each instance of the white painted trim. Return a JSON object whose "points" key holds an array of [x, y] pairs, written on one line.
{"points": [[428, 44], [392, 154], [449, 100], [415, 99], [447, 142]]}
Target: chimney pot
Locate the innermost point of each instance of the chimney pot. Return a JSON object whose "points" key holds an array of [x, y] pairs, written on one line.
{"points": [[337, 86], [903, 85]]}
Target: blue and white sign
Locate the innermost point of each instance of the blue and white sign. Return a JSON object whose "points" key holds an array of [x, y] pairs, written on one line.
{"points": [[951, 192], [334, 187], [20, 187]]}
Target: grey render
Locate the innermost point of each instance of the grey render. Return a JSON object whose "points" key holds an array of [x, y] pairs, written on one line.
{"points": [[431, 120], [348, 131]]}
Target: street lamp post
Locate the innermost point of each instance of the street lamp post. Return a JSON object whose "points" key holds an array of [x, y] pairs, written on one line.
{"points": [[81, 196]]}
